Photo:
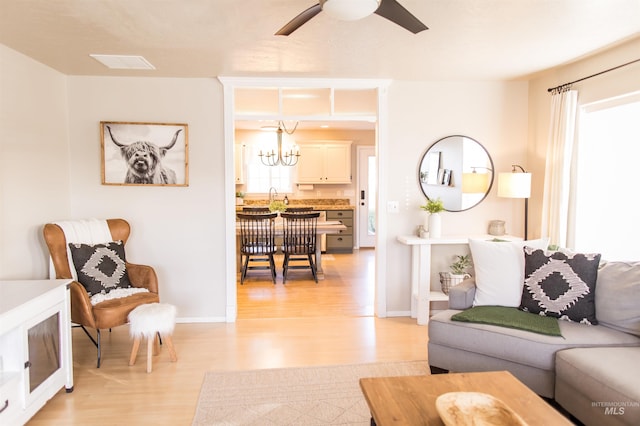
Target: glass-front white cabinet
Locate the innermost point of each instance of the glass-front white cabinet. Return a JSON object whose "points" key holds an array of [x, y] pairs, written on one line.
{"points": [[35, 346]]}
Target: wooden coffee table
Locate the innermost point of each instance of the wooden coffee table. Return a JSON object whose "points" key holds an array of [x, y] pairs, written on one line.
{"points": [[411, 400]]}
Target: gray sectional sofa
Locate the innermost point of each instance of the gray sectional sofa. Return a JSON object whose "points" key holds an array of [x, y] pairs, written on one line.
{"points": [[592, 371]]}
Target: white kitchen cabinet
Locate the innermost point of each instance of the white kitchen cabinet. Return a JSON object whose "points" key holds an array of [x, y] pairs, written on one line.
{"points": [[328, 162], [238, 156], [35, 346]]}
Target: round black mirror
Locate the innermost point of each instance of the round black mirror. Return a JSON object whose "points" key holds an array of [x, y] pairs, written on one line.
{"points": [[458, 170]]}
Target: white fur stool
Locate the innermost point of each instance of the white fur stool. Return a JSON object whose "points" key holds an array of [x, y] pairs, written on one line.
{"points": [[149, 321]]}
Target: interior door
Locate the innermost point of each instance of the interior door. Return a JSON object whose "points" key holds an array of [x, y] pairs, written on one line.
{"points": [[367, 196]]}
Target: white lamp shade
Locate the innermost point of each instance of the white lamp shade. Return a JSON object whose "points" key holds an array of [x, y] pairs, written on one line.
{"points": [[349, 10], [514, 185], [475, 183]]}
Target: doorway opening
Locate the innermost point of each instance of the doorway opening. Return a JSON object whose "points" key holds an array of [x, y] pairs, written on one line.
{"points": [[363, 261]]}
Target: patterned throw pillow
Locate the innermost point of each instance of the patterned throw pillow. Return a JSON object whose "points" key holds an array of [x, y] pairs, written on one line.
{"points": [[100, 267], [560, 285]]}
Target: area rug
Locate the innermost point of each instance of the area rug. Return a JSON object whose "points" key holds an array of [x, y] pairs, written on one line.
{"points": [[328, 395]]}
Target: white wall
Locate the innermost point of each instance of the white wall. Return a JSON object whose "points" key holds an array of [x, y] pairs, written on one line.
{"points": [[50, 170], [493, 113], [50, 164], [178, 230], [34, 161]]}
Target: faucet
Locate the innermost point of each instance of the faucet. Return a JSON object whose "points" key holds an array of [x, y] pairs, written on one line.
{"points": [[273, 193]]}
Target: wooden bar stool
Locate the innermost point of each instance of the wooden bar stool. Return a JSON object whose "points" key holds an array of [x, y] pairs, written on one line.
{"points": [[151, 321]]}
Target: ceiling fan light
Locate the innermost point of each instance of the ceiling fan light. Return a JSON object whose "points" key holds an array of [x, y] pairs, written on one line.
{"points": [[349, 10]]}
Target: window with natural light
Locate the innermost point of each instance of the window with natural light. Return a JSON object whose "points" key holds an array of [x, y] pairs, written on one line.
{"points": [[260, 178], [606, 201]]}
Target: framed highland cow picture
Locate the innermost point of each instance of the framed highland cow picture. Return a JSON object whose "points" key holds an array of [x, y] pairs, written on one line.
{"points": [[144, 153]]}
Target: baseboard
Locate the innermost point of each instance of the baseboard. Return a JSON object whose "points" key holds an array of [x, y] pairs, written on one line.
{"points": [[186, 320], [398, 313]]}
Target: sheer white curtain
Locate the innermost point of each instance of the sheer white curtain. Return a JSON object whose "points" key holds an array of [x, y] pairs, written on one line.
{"points": [[557, 204]]}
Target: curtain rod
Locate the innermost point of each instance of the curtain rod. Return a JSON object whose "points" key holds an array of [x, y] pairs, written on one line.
{"points": [[594, 75]]}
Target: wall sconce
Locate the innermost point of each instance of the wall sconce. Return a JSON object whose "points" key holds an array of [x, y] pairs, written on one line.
{"points": [[516, 184], [474, 182]]}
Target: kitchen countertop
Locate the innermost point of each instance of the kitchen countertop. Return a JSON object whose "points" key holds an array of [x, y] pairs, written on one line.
{"points": [[317, 204]]}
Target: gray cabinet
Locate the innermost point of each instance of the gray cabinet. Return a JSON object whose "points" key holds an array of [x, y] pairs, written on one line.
{"points": [[342, 242]]}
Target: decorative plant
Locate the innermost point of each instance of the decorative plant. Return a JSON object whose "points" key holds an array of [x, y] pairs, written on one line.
{"points": [[277, 206], [459, 266], [433, 205]]}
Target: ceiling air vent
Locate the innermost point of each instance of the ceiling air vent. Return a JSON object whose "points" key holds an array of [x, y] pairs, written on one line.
{"points": [[124, 62]]}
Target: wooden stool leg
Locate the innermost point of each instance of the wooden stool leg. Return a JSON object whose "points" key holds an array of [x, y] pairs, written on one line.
{"points": [[156, 344], [172, 350], [149, 353], [134, 351]]}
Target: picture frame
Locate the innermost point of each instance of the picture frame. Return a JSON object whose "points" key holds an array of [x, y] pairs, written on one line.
{"points": [[446, 177], [145, 154]]}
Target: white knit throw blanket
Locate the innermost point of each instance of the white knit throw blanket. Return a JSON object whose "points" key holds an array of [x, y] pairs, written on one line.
{"points": [[90, 231], [116, 293]]}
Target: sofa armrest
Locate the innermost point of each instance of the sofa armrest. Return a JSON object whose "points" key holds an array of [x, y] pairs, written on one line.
{"points": [[461, 295]]}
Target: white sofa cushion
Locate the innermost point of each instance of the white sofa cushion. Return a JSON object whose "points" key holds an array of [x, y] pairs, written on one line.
{"points": [[499, 270]]}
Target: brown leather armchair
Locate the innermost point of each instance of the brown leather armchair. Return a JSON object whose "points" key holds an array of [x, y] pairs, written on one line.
{"points": [[110, 313]]}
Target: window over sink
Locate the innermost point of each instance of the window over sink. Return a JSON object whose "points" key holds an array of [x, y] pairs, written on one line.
{"points": [[259, 178]]}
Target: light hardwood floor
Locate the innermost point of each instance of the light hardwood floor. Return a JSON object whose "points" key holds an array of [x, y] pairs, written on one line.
{"points": [[348, 289], [299, 324]]}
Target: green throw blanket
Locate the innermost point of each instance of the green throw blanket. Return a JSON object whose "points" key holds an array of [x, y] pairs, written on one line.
{"points": [[510, 317]]}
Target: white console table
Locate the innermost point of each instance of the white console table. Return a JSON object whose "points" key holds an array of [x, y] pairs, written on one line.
{"points": [[35, 346], [421, 293]]}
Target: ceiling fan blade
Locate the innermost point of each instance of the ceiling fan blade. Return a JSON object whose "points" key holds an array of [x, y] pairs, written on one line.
{"points": [[300, 20], [395, 12]]}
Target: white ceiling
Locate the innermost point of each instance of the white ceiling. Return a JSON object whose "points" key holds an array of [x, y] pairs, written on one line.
{"points": [[466, 40]]}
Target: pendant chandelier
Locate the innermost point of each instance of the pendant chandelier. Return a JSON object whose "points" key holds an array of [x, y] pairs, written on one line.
{"points": [[273, 158]]}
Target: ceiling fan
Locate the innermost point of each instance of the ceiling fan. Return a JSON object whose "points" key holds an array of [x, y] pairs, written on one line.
{"points": [[351, 10]]}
